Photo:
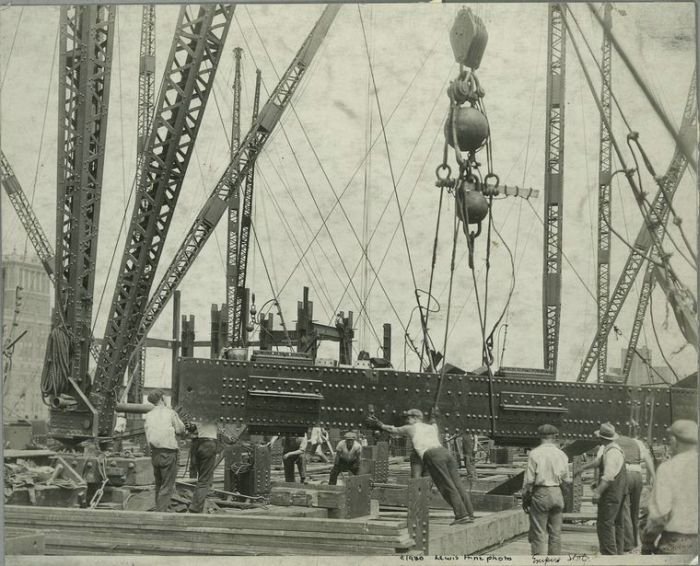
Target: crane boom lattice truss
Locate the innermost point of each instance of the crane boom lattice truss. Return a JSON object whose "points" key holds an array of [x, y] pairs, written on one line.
{"points": [[147, 79], [86, 37], [604, 191], [27, 217], [188, 80], [658, 213], [233, 206], [553, 185], [235, 173], [239, 326]]}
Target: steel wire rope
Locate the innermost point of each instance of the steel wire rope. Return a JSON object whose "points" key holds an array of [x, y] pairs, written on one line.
{"points": [[393, 182], [656, 336], [678, 140], [43, 130], [401, 174], [12, 47]]}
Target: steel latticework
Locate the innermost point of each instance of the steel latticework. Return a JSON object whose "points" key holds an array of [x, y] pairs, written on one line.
{"points": [[147, 79], [26, 215], [658, 215], [188, 80], [86, 37], [604, 192], [233, 206], [235, 173], [239, 327], [671, 179], [553, 185]]}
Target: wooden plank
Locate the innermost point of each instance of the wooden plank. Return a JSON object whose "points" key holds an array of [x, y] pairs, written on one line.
{"points": [[12, 454], [396, 496], [87, 516]]}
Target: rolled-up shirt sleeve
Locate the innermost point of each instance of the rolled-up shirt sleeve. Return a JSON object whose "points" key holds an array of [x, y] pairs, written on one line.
{"points": [[613, 460], [530, 472]]}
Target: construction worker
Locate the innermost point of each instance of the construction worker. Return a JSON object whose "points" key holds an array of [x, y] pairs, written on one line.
{"points": [[610, 493], [440, 464], [205, 448], [317, 440], [293, 449], [347, 457], [636, 455], [161, 425], [672, 523], [547, 469]]}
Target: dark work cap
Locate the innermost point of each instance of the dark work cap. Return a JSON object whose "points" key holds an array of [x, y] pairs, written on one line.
{"points": [[547, 430], [685, 430], [414, 413]]}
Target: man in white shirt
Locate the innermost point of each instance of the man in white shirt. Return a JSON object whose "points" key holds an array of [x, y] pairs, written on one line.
{"points": [[161, 425], [610, 493], [203, 461], [347, 457], [317, 439], [547, 469], [672, 524], [440, 464]]}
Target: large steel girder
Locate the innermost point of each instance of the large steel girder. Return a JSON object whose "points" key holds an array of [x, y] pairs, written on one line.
{"points": [[279, 397], [197, 46], [147, 82], [238, 168], [553, 186], [84, 78]]}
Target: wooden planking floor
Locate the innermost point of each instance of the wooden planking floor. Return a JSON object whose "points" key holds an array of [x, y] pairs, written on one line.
{"points": [[571, 543]]}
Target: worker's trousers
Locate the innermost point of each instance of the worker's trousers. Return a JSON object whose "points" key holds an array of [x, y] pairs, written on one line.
{"points": [[289, 463], [546, 517], [204, 453], [634, 495], [610, 523], [164, 462], [343, 466], [442, 468]]}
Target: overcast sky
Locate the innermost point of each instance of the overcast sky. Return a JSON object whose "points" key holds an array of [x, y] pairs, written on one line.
{"points": [[328, 128]]}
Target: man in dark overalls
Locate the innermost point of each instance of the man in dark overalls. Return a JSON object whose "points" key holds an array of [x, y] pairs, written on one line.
{"points": [[293, 449], [610, 493]]}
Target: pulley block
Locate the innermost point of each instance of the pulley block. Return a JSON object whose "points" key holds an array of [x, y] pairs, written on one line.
{"points": [[468, 38]]}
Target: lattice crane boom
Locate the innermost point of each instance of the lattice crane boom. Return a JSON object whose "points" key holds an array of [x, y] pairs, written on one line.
{"points": [[235, 173], [604, 191], [645, 240], [27, 217], [188, 80], [86, 38], [553, 185]]}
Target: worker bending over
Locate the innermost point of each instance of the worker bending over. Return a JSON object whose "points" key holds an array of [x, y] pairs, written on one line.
{"points": [[293, 449], [203, 461], [161, 425], [672, 524], [347, 457], [440, 464], [547, 469]]}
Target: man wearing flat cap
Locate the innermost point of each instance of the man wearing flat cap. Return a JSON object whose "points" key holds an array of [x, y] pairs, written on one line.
{"points": [[547, 469], [672, 523], [347, 457], [438, 461], [610, 493]]}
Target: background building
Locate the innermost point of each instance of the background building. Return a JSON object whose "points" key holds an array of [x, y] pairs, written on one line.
{"points": [[26, 306]]}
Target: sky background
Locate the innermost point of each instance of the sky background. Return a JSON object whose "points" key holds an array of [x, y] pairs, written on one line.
{"points": [[319, 151]]}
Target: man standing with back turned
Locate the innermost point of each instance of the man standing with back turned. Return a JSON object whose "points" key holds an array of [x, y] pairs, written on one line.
{"points": [[547, 468], [161, 425], [440, 464]]}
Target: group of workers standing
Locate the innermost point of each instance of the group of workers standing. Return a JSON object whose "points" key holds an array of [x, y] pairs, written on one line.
{"points": [[670, 522]]}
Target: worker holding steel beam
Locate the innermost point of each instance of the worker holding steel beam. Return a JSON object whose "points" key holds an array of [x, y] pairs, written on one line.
{"points": [[672, 524], [161, 426], [347, 457], [441, 465], [205, 448], [610, 493], [547, 469]]}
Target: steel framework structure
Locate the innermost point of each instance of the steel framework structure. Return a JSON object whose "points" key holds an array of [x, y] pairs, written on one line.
{"points": [[233, 207], [553, 185], [236, 172], [604, 191], [27, 217], [648, 241], [189, 74], [674, 173], [86, 37], [147, 82], [239, 326]]}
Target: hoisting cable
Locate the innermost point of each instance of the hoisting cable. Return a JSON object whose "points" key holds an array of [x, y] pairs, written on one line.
{"points": [[393, 181], [688, 152]]}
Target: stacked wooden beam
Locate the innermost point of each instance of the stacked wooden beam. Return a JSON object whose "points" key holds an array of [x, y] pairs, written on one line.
{"points": [[84, 531]]}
